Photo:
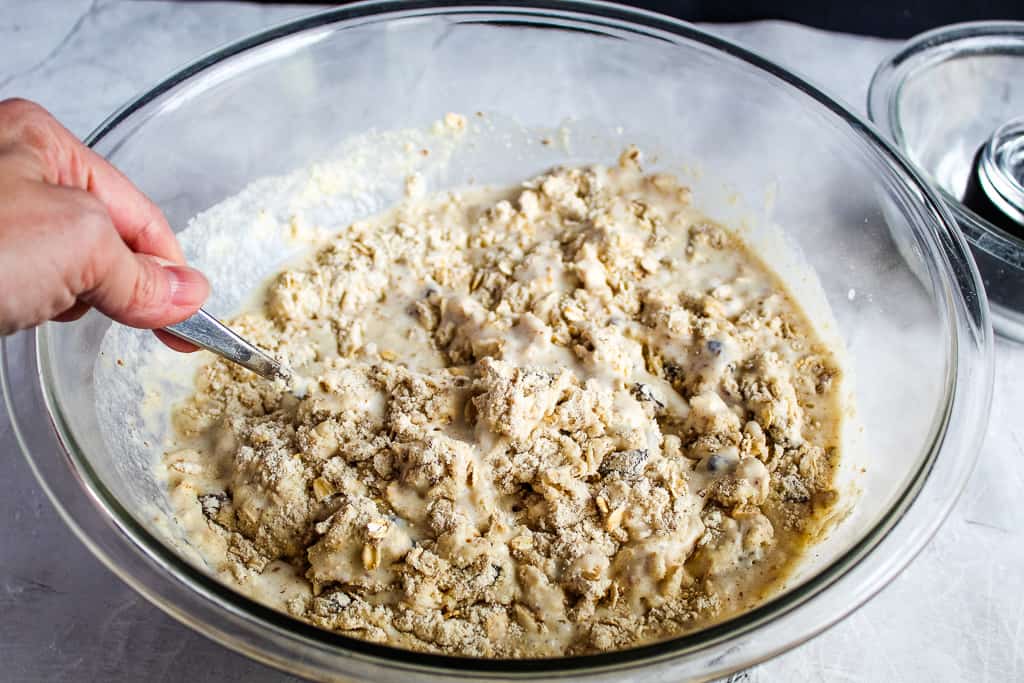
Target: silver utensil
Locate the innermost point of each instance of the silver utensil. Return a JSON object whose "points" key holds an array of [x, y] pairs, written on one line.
{"points": [[203, 330]]}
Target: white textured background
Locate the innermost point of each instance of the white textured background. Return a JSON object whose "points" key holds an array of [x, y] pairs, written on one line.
{"points": [[956, 614]]}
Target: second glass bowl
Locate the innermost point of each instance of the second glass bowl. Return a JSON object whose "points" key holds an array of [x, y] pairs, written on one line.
{"points": [[941, 97]]}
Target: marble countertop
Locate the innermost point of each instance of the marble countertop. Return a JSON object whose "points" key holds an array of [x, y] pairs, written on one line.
{"points": [[957, 613]]}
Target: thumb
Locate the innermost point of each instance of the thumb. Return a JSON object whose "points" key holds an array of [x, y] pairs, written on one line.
{"points": [[144, 291]]}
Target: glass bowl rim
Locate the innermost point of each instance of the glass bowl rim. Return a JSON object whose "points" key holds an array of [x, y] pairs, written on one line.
{"points": [[605, 17]]}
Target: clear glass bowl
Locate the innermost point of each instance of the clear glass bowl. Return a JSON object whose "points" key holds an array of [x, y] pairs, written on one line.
{"points": [[894, 269], [940, 98]]}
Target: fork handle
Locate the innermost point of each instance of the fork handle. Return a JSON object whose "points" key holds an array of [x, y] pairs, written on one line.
{"points": [[203, 330]]}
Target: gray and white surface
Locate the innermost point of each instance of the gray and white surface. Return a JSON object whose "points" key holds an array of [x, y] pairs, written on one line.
{"points": [[957, 613]]}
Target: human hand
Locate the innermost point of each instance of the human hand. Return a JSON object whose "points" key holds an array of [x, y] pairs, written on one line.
{"points": [[75, 233]]}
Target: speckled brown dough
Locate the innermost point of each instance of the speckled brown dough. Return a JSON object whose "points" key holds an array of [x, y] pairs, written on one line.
{"points": [[572, 417]]}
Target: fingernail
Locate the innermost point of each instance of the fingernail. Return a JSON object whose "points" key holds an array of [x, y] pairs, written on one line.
{"points": [[188, 286]]}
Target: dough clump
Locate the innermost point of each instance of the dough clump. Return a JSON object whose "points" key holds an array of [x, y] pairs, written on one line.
{"points": [[571, 417]]}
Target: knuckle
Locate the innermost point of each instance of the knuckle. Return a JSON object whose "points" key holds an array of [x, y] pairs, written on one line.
{"points": [[92, 234], [92, 271], [26, 125], [94, 224], [20, 116], [91, 205], [63, 301], [20, 109], [147, 288]]}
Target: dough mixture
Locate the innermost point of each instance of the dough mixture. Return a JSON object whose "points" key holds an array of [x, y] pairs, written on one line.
{"points": [[570, 417]]}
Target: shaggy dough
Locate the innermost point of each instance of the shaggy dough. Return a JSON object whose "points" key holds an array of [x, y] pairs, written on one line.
{"points": [[572, 417]]}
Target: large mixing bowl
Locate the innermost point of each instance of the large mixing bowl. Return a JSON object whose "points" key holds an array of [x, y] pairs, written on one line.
{"points": [[895, 272]]}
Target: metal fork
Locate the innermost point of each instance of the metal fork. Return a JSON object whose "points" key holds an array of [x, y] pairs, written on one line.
{"points": [[203, 330]]}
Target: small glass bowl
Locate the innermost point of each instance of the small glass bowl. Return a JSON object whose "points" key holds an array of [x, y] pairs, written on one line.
{"points": [[996, 189], [904, 295], [941, 97]]}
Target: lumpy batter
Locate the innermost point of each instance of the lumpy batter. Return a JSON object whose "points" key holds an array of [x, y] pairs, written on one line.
{"points": [[571, 417]]}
